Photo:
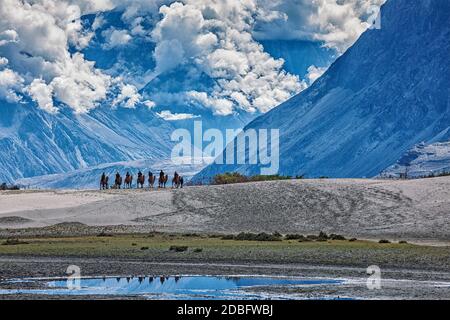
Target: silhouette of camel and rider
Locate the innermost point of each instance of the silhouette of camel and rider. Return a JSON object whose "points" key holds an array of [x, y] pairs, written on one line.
{"points": [[127, 182]]}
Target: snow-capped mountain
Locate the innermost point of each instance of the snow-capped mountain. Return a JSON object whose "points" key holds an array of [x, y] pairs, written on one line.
{"points": [[34, 142], [422, 161], [387, 93]]}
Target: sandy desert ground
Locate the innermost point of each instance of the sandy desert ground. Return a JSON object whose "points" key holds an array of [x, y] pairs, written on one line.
{"points": [[105, 232], [415, 210]]}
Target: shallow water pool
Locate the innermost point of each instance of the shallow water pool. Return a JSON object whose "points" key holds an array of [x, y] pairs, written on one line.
{"points": [[180, 287]]}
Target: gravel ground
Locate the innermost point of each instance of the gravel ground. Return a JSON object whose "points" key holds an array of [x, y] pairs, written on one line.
{"points": [[396, 284]]}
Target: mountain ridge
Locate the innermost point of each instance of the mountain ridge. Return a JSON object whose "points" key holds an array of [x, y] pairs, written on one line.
{"points": [[388, 92]]}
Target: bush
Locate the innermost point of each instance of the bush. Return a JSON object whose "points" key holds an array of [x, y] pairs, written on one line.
{"points": [[352, 239], [384, 241], [403, 242], [104, 234], [257, 237], [230, 178], [13, 242], [178, 248], [198, 250], [322, 236], [191, 235], [294, 237], [144, 248], [4, 187], [227, 237], [336, 237]]}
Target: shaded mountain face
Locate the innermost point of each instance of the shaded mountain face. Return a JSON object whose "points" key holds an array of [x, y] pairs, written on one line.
{"points": [[33, 142], [299, 55], [387, 93]]}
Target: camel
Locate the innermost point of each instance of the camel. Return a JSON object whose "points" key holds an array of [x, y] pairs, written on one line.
{"points": [[118, 181], [104, 185], [176, 181], [129, 181], [151, 180], [162, 181], [140, 181]]}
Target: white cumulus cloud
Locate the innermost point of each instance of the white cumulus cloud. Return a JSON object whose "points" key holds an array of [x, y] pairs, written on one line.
{"points": [[169, 116], [217, 40], [42, 94], [10, 83], [37, 36]]}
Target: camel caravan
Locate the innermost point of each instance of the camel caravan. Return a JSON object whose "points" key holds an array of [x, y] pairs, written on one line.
{"points": [[127, 182]]}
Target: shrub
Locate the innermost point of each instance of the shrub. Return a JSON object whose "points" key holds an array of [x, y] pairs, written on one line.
{"points": [[230, 178], [322, 236], [144, 248], [336, 237], [198, 250], [104, 234], [178, 248], [13, 242], [191, 235], [277, 234], [403, 242], [294, 237], [4, 187], [257, 237], [384, 241], [352, 239]]}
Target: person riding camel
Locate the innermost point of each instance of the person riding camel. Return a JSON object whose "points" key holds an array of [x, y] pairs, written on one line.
{"points": [[139, 174], [103, 178], [176, 175], [161, 175], [127, 175]]}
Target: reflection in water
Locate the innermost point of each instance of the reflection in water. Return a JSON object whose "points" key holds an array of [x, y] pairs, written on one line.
{"points": [[189, 287]]}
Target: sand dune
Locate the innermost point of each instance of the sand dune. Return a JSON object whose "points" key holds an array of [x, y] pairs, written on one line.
{"points": [[415, 209]]}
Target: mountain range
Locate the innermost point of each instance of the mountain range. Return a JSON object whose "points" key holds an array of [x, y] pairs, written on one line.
{"points": [[385, 94], [34, 143]]}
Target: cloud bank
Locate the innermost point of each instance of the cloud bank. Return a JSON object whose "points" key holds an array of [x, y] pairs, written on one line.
{"points": [[41, 45]]}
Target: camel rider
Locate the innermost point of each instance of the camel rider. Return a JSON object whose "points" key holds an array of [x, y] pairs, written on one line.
{"points": [[103, 177], [117, 176], [127, 175], [161, 175], [176, 175], [150, 174], [139, 174]]}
